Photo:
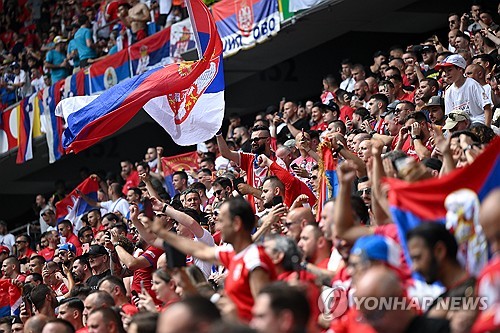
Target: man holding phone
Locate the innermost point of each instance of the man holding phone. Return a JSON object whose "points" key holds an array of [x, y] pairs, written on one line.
{"points": [[249, 267]]}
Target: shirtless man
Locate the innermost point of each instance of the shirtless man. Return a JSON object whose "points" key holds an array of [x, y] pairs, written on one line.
{"points": [[138, 17]]}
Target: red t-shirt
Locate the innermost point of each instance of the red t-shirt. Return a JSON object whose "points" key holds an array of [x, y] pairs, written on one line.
{"points": [[47, 253], [312, 293], [293, 186], [73, 239], [346, 111], [323, 263], [29, 253], [129, 309], [320, 127], [255, 176], [350, 323], [239, 266], [84, 329], [144, 274], [132, 181]]}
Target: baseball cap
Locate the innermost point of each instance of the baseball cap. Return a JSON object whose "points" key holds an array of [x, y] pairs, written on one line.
{"points": [[436, 101], [454, 117], [390, 108], [452, 60], [97, 250], [67, 247], [428, 48], [376, 247], [332, 106], [4, 248], [59, 39], [15, 65]]}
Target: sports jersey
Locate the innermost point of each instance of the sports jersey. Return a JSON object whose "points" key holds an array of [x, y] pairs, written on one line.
{"points": [[293, 186], [132, 181], [255, 174], [145, 274], [239, 266], [47, 253]]}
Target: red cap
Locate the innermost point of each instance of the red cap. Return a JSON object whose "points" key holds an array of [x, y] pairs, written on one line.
{"points": [[4, 248]]}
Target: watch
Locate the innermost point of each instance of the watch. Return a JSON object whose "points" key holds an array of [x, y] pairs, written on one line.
{"points": [[164, 208], [416, 137], [115, 244]]}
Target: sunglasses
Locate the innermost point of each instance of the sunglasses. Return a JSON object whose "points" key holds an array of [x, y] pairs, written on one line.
{"points": [[218, 192], [20, 241], [314, 177], [258, 138], [367, 190]]}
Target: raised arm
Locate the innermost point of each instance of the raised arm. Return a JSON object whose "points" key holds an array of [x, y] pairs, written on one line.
{"points": [[185, 245], [225, 151], [343, 217]]}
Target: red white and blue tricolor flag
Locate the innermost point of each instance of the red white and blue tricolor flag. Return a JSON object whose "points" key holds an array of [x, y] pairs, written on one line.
{"points": [[10, 298], [186, 99], [453, 199], [73, 207], [328, 180]]}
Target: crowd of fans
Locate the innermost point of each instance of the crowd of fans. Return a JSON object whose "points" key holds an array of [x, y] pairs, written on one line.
{"points": [[44, 41], [246, 244]]}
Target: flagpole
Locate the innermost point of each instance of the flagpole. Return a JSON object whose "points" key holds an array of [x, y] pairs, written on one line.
{"points": [[195, 32]]}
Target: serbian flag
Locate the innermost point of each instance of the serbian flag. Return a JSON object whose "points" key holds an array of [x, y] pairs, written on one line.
{"points": [[187, 162], [328, 180], [10, 298], [453, 199], [51, 125], [72, 207], [186, 99]]}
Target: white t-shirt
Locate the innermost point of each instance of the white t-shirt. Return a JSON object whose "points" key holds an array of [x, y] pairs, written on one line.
{"points": [[205, 267], [470, 97], [348, 84], [43, 224], [8, 240], [121, 205]]}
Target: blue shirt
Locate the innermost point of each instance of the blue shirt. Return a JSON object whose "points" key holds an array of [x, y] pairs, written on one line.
{"points": [[81, 37], [71, 48], [56, 58]]}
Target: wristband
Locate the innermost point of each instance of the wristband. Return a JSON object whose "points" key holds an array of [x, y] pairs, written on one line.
{"points": [[116, 244], [164, 208], [416, 137], [339, 148], [219, 132]]}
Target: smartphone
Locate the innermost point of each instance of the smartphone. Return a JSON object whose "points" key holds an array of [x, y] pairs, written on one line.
{"points": [[294, 165], [236, 182], [277, 200], [85, 248]]}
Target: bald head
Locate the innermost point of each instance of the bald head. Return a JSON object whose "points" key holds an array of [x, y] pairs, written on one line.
{"points": [[35, 324], [302, 214], [476, 72], [296, 219], [489, 216], [379, 281]]}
